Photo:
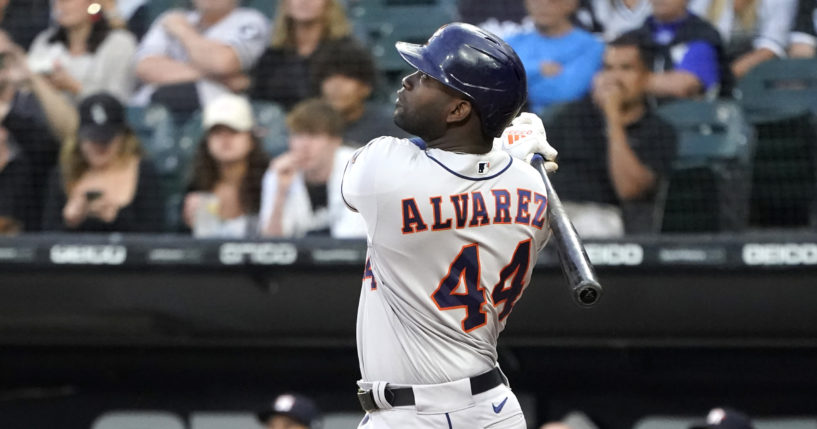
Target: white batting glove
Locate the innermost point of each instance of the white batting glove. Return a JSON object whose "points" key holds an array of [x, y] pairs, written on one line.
{"points": [[526, 136]]}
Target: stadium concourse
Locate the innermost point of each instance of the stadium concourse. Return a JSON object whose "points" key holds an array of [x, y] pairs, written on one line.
{"points": [[175, 252]]}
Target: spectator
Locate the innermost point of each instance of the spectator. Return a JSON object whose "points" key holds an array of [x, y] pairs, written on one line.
{"points": [[689, 55], [189, 58], [82, 55], [38, 117], [753, 31], [103, 183], [23, 20], [291, 411], [346, 78], [15, 185], [302, 29], [725, 418], [559, 58], [803, 38], [130, 14], [620, 16], [225, 190], [301, 192], [614, 150]]}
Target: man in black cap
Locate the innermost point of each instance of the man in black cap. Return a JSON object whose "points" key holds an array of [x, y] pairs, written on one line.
{"points": [[725, 418], [291, 411]]}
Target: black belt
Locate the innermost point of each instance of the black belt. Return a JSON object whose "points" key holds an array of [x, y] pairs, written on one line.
{"points": [[404, 396]]}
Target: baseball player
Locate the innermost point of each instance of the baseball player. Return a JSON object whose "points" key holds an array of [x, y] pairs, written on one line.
{"points": [[454, 227]]}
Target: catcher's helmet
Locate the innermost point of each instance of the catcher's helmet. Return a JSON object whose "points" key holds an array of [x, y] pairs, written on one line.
{"points": [[479, 65]]}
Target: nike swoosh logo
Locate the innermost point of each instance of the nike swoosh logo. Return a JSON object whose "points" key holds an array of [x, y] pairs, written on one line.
{"points": [[498, 408]]}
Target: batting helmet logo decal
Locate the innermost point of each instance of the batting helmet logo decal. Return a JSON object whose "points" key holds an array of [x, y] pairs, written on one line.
{"points": [[515, 135]]}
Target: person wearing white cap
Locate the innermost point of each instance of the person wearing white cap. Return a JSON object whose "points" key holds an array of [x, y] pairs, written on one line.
{"points": [[224, 193]]}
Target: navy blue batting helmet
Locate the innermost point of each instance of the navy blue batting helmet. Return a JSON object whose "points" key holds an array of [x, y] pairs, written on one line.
{"points": [[479, 65]]}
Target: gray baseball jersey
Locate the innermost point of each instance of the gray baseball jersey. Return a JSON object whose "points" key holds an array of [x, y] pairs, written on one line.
{"points": [[452, 240], [245, 30]]}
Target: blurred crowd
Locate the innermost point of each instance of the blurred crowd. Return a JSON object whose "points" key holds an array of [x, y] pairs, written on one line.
{"points": [[77, 76]]}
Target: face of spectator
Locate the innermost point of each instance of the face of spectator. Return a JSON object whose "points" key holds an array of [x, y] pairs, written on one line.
{"points": [[344, 93], [306, 10], [624, 66], [70, 13], [284, 422], [550, 13], [313, 152], [99, 155], [669, 10], [215, 6], [227, 145]]}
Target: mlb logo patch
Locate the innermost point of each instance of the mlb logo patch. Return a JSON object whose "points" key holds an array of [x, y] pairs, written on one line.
{"points": [[483, 167], [514, 135]]}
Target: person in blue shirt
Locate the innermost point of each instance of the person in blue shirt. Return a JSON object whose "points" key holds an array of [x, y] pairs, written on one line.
{"points": [[689, 54], [559, 58]]}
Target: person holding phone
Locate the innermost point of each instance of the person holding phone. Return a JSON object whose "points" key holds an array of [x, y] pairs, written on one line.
{"points": [[102, 182]]}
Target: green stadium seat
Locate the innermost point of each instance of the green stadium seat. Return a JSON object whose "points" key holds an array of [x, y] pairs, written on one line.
{"points": [[784, 183], [382, 23], [157, 7], [684, 422], [267, 7], [708, 189], [780, 99], [270, 121], [779, 88], [170, 148], [139, 420]]}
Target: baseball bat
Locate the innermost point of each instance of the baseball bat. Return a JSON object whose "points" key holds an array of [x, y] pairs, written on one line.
{"points": [[579, 273]]}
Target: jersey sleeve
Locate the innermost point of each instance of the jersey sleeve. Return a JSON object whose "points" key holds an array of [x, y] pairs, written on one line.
{"points": [[154, 42], [359, 176], [249, 38]]}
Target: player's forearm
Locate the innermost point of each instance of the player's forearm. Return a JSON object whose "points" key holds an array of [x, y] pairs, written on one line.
{"points": [[211, 58], [680, 84], [163, 71], [746, 62], [629, 176]]}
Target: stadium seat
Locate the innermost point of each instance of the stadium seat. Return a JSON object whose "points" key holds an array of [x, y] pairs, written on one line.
{"points": [[708, 189], [157, 7], [223, 420], [678, 422], [381, 23], [779, 88], [780, 100], [171, 149], [783, 179], [270, 121], [341, 420], [138, 420], [267, 7]]}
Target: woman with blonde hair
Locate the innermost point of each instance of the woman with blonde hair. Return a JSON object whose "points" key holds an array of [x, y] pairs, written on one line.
{"points": [[302, 28], [753, 31], [103, 182]]}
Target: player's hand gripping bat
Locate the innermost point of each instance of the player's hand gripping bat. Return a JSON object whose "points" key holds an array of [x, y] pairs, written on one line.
{"points": [[576, 266]]}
